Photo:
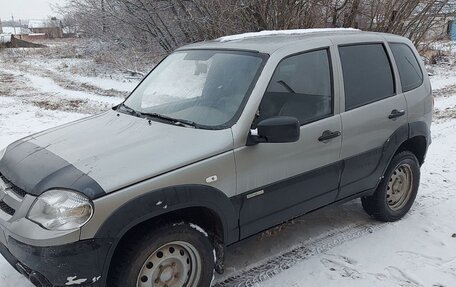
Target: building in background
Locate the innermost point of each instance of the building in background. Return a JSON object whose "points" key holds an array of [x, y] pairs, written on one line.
{"points": [[52, 28]]}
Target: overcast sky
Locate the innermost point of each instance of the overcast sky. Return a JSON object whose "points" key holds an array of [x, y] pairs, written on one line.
{"points": [[26, 9]]}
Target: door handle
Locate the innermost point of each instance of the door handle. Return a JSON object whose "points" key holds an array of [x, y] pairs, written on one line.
{"points": [[395, 114], [327, 135]]}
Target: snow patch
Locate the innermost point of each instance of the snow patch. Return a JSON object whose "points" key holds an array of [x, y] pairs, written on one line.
{"points": [[73, 281], [267, 33], [194, 226]]}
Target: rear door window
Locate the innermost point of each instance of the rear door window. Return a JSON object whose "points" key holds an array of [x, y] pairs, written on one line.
{"points": [[408, 66], [367, 74]]}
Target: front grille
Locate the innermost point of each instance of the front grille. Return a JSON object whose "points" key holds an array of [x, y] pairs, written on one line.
{"points": [[13, 187], [6, 208]]}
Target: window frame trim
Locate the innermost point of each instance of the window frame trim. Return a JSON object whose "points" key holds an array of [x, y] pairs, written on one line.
{"points": [[397, 66], [393, 74], [331, 78]]}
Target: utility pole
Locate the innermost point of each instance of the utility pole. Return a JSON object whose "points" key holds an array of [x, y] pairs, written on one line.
{"points": [[14, 24]]}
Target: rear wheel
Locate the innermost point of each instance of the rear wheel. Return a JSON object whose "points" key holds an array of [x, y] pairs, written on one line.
{"points": [[169, 256], [397, 191]]}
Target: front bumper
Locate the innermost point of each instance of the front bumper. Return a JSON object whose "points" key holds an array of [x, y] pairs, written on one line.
{"points": [[76, 264]]}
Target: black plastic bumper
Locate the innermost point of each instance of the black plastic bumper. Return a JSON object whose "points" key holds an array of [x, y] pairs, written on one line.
{"points": [[78, 264]]}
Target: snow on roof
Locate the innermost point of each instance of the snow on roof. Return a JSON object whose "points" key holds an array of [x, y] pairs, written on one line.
{"points": [[281, 32], [5, 38], [8, 30], [15, 30], [33, 24]]}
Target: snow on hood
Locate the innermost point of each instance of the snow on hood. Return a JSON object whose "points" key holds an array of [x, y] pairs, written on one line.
{"points": [[281, 32]]}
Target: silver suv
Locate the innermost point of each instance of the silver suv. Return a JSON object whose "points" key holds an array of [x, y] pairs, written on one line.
{"points": [[222, 140]]}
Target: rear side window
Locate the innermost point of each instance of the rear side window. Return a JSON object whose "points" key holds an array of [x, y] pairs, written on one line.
{"points": [[367, 74], [407, 64], [301, 87]]}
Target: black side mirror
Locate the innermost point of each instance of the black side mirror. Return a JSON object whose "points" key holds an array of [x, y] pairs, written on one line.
{"points": [[276, 130]]}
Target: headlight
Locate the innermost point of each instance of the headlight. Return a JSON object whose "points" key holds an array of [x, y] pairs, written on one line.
{"points": [[61, 210]]}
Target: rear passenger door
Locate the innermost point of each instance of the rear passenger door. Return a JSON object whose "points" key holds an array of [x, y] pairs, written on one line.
{"points": [[373, 111]]}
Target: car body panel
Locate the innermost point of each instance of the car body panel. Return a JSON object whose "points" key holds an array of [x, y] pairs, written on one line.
{"points": [[119, 150], [222, 166]]}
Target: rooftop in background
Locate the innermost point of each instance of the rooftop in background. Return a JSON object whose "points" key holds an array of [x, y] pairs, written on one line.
{"points": [[15, 30], [270, 41]]}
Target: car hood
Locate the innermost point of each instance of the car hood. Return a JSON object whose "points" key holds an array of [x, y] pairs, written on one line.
{"points": [[104, 153]]}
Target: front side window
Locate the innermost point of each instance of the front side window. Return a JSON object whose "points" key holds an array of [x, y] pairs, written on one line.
{"points": [[301, 87], [205, 87], [367, 74], [409, 69]]}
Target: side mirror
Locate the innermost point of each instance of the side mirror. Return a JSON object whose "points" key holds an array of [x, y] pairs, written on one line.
{"points": [[276, 130]]}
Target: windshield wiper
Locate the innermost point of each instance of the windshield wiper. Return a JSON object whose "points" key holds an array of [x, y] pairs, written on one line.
{"points": [[177, 122], [124, 108]]}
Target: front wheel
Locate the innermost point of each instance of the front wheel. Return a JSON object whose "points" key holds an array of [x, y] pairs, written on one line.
{"points": [[397, 191], [170, 256]]}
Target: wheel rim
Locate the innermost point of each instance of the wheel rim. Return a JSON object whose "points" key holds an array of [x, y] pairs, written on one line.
{"points": [[399, 187], [175, 264]]}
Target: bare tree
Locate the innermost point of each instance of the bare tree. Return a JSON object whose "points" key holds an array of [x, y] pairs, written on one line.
{"points": [[166, 24]]}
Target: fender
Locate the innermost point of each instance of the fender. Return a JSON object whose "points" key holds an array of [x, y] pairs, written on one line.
{"points": [[394, 142], [397, 139], [167, 200], [391, 146], [420, 129]]}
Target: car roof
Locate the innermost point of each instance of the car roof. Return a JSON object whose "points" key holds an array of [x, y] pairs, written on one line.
{"points": [[270, 41]]}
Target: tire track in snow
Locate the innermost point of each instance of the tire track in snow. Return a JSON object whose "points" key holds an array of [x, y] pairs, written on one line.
{"points": [[267, 269], [274, 266]]}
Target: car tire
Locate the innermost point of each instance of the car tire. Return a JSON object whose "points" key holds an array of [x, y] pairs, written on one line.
{"points": [[397, 190], [171, 255]]}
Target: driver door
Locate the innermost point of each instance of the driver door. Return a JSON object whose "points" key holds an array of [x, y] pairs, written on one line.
{"points": [[279, 181]]}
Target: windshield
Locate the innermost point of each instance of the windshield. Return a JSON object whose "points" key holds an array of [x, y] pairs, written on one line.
{"points": [[204, 87]]}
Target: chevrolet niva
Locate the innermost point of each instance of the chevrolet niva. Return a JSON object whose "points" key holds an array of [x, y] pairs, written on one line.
{"points": [[222, 140]]}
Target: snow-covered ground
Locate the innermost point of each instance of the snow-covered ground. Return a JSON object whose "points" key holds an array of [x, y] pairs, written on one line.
{"points": [[336, 246]]}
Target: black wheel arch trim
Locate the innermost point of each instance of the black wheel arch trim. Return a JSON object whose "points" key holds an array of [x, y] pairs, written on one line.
{"points": [[165, 201], [420, 129], [399, 137]]}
